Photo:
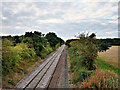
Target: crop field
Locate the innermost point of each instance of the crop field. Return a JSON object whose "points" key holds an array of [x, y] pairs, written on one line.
{"points": [[111, 56]]}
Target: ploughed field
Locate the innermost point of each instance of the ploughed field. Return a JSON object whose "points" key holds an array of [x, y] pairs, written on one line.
{"points": [[111, 56]]}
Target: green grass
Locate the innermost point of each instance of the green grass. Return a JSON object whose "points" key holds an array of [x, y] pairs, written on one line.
{"points": [[101, 64]]}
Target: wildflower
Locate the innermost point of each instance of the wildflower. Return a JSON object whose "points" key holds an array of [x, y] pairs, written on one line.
{"points": [[90, 84], [115, 76], [99, 84], [106, 86]]}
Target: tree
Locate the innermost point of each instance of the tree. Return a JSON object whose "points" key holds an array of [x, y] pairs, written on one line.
{"points": [[52, 39], [92, 35], [85, 47]]}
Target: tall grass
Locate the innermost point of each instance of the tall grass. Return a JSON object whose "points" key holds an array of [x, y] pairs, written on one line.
{"points": [[101, 79]]}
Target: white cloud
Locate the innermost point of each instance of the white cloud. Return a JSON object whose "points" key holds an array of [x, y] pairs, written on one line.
{"points": [[108, 32], [4, 18], [17, 27], [66, 17], [104, 24], [51, 21], [59, 0], [114, 21]]}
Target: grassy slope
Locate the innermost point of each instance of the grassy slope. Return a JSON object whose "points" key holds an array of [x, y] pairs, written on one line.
{"points": [[101, 64]]}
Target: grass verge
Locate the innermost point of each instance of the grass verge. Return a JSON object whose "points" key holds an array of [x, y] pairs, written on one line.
{"points": [[101, 64]]}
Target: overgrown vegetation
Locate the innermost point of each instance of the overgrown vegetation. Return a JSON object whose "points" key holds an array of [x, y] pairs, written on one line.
{"points": [[83, 53], [85, 63], [101, 79], [18, 52], [102, 44]]}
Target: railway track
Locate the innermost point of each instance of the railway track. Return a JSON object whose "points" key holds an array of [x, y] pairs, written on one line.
{"points": [[41, 76]]}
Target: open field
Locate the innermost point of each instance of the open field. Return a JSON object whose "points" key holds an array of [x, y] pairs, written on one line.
{"points": [[111, 55]]}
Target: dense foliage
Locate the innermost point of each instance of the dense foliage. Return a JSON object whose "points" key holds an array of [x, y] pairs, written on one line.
{"points": [[88, 70], [102, 44], [20, 50], [86, 49], [83, 53]]}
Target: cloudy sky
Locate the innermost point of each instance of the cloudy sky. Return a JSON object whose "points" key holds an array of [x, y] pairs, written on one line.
{"points": [[66, 19]]}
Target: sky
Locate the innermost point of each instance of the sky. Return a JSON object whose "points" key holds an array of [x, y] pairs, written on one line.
{"points": [[65, 18]]}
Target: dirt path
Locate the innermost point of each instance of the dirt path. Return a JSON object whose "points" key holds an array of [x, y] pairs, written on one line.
{"points": [[60, 76]]}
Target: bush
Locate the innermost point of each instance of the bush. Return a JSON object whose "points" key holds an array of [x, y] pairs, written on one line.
{"points": [[83, 53], [58, 45], [49, 49], [80, 74], [43, 53], [87, 49], [79, 70], [10, 59], [12, 56], [25, 52], [6, 42]]}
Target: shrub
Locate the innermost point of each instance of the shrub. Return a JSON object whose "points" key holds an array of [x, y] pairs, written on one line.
{"points": [[83, 53], [49, 49], [12, 56], [58, 45], [87, 49], [10, 59], [79, 71], [25, 52], [43, 53], [6, 42], [80, 74]]}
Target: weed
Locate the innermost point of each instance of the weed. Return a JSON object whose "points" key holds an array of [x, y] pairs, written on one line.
{"points": [[101, 79]]}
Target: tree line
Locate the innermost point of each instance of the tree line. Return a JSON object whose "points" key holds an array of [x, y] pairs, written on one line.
{"points": [[17, 51], [102, 44]]}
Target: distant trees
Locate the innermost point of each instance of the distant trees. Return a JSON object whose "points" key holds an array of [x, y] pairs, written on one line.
{"points": [[102, 44], [53, 39], [92, 35]]}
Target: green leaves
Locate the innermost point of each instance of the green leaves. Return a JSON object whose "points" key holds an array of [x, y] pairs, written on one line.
{"points": [[86, 48], [20, 50]]}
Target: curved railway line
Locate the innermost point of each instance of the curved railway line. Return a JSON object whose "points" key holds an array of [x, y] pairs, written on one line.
{"points": [[41, 76]]}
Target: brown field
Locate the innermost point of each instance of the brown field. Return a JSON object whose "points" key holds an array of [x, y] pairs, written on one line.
{"points": [[111, 55]]}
